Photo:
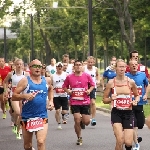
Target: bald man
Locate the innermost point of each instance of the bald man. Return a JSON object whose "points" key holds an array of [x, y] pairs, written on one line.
{"points": [[36, 94]]}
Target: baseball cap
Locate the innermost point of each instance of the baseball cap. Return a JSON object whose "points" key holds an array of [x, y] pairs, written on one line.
{"points": [[59, 63]]}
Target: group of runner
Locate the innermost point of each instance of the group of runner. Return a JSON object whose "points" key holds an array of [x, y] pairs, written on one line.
{"points": [[71, 85]]}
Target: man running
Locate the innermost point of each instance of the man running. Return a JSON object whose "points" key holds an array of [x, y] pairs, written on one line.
{"points": [[135, 56], [77, 86], [36, 93], [142, 84], [51, 69], [60, 96], [122, 119], [93, 72], [4, 70]]}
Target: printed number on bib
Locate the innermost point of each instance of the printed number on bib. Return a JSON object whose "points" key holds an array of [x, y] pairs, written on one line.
{"points": [[122, 101], [34, 124], [78, 93], [59, 90], [142, 68]]}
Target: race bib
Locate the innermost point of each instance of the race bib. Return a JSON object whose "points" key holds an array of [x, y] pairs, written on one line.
{"points": [[142, 68], [59, 90], [122, 101], [34, 124], [78, 93], [13, 89]]}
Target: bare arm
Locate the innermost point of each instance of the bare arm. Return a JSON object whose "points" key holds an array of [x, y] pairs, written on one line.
{"points": [[102, 82], [50, 90], [106, 94], [5, 82]]}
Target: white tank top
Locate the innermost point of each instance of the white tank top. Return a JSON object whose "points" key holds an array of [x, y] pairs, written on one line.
{"points": [[58, 81], [92, 73], [15, 80]]}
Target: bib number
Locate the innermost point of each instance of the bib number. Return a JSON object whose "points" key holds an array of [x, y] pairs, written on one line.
{"points": [[122, 103], [34, 124], [78, 94], [59, 90]]}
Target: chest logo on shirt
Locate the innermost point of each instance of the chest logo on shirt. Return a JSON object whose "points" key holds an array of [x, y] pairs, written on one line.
{"points": [[52, 71]]}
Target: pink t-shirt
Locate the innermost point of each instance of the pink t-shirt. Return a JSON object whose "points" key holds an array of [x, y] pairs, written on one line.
{"points": [[78, 85]]}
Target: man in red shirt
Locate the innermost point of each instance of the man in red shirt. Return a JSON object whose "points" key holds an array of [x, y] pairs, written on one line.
{"points": [[4, 70], [135, 56]]}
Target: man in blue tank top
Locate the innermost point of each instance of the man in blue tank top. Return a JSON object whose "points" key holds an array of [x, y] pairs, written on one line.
{"points": [[36, 94], [142, 84]]}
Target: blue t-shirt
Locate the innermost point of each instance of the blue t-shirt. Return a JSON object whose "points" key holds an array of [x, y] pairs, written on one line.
{"points": [[109, 74], [37, 106], [141, 81]]}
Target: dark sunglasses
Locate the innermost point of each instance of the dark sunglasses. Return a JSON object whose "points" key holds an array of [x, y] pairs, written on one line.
{"points": [[36, 66], [59, 66]]}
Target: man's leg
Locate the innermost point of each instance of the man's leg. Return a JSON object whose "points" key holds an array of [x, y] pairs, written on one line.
{"points": [[41, 137], [27, 137]]}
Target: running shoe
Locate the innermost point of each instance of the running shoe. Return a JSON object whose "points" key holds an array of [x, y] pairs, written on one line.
{"points": [[93, 122], [4, 116], [137, 147], [18, 136], [79, 141], [59, 127], [14, 129]]}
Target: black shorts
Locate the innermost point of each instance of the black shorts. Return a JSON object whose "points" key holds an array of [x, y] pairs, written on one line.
{"points": [[125, 117], [61, 102], [1, 90], [83, 109], [93, 94], [139, 118]]}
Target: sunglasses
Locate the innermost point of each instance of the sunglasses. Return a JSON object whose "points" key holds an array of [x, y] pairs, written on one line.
{"points": [[59, 66], [36, 66]]}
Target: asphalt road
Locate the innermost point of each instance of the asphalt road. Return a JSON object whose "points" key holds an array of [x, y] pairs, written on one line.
{"points": [[100, 137]]}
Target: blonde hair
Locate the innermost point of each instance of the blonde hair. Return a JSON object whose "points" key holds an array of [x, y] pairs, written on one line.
{"points": [[119, 60], [17, 61]]}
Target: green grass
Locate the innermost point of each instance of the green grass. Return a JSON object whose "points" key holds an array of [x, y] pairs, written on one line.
{"points": [[99, 103]]}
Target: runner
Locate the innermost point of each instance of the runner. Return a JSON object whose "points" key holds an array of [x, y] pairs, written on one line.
{"points": [[51, 69], [142, 84], [60, 96], [33, 92], [135, 56], [77, 85], [4, 70], [113, 58], [109, 74], [121, 99], [93, 72], [15, 77]]}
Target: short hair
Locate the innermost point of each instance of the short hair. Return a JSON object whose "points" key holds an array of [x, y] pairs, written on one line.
{"points": [[77, 61], [135, 51], [65, 55]]}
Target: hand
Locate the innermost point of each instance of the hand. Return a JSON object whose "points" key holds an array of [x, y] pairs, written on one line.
{"points": [[88, 92], [134, 103], [114, 97], [145, 97], [98, 83], [30, 96], [69, 92], [50, 106], [103, 88]]}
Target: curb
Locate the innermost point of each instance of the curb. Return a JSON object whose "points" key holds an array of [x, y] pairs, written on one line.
{"points": [[104, 110]]}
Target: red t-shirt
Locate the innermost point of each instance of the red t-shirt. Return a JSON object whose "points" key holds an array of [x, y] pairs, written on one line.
{"points": [[141, 68], [4, 71]]}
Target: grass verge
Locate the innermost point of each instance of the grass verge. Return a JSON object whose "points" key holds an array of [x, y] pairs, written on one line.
{"points": [[99, 103]]}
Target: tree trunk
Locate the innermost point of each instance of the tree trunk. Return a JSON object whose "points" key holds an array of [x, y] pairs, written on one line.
{"points": [[48, 49], [76, 53]]}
